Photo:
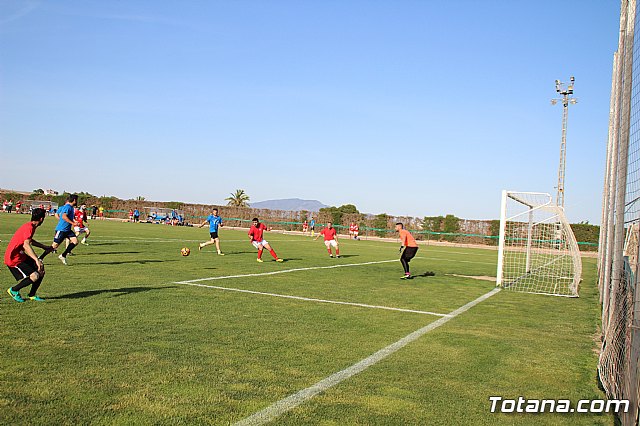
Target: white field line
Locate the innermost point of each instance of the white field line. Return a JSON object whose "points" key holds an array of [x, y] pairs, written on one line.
{"points": [[284, 271], [459, 261], [311, 299], [277, 409]]}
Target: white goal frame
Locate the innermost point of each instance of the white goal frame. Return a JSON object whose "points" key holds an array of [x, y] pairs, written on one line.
{"points": [[537, 251]]}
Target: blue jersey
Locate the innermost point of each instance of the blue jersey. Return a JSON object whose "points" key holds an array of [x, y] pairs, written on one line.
{"points": [[214, 222], [136, 212], [62, 224], [312, 223]]}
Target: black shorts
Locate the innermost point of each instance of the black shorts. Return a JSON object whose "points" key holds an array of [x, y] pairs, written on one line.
{"points": [[409, 253], [214, 235], [24, 269], [60, 236]]}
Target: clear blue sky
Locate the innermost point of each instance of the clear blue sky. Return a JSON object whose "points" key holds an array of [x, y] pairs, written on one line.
{"points": [[406, 107]]}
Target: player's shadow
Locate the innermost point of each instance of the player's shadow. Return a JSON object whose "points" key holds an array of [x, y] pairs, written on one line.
{"points": [[426, 274], [124, 262], [348, 255], [120, 292], [106, 253]]}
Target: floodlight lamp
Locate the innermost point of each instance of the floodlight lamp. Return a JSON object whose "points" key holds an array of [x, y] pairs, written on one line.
{"points": [[554, 101], [573, 79], [573, 101]]}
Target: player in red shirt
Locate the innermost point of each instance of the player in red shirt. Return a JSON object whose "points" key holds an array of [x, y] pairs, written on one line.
{"points": [[330, 239], [79, 225], [255, 235], [22, 261], [354, 230], [410, 249]]}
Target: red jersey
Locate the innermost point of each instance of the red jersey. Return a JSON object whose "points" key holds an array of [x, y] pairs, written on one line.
{"points": [[353, 228], [255, 232], [15, 254], [329, 233], [79, 217], [406, 239]]}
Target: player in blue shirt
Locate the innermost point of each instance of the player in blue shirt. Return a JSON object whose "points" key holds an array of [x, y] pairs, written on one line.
{"points": [[64, 229], [214, 222], [312, 226]]}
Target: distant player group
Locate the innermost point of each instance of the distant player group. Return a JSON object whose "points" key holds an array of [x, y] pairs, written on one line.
{"points": [[28, 268]]}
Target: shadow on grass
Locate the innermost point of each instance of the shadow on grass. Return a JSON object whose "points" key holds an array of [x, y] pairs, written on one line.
{"points": [[426, 274], [124, 262], [82, 253], [120, 292], [348, 255]]}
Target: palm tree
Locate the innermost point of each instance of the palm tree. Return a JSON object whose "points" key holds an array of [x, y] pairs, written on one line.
{"points": [[239, 199]]}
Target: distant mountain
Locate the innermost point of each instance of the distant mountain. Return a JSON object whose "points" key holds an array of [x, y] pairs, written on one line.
{"points": [[292, 204]]}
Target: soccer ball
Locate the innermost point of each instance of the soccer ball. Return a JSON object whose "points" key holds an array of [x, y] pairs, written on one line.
{"points": [[185, 251]]}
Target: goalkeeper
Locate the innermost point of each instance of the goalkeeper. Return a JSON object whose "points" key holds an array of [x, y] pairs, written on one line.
{"points": [[408, 243]]}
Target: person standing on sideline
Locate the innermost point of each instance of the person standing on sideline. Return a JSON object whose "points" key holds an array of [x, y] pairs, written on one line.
{"points": [[255, 235], [136, 215], [330, 239], [408, 243], [22, 261], [64, 229], [214, 221], [312, 226]]}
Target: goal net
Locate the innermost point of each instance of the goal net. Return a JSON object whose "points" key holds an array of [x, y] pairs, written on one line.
{"points": [[537, 251]]}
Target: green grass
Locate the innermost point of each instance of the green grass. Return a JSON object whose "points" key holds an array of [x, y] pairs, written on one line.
{"points": [[119, 342]]}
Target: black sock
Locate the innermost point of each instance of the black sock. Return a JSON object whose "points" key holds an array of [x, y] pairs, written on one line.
{"points": [[68, 250], [22, 284], [34, 287]]}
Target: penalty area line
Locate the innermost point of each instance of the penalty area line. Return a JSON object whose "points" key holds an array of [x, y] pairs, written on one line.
{"points": [[311, 299], [284, 405], [284, 271]]}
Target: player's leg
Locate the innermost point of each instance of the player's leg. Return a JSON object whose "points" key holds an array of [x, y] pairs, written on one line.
{"points": [[26, 274], [213, 235], [217, 241], [336, 245], [327, 244], [271, 251], [407, 255], [73, 242], [87, 232]]}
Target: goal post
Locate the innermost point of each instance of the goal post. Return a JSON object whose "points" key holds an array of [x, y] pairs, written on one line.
{"points": [[537, 250]]}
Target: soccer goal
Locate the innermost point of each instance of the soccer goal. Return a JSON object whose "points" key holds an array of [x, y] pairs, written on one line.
{"points": [[537, 251]]}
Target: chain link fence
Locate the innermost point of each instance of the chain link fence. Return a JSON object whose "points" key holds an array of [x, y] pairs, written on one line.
{"points": [[618, 248]]}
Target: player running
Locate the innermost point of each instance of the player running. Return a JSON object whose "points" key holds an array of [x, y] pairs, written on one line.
{"points": [[330, 239], [22, 261], [255, 235], [214, 221], [80, 227], [65, 216], [410, 249]]}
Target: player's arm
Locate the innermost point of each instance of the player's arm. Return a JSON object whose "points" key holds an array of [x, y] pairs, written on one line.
{"points": [[65, 217], [203, 224], [28, 250]]}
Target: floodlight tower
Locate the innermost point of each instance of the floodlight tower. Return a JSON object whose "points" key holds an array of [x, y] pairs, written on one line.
{"points": [[567, 98]]}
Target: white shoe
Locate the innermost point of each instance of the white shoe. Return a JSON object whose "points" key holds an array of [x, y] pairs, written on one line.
{"points": [[63, 259], [84, 242]]}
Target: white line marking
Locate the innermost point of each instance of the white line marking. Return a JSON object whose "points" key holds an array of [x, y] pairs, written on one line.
{"points": [[459, 261], [277, 409], [310, 299], [284, 271]]}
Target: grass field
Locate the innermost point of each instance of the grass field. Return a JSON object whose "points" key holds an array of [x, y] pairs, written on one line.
{"points": [[125, 335]]}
